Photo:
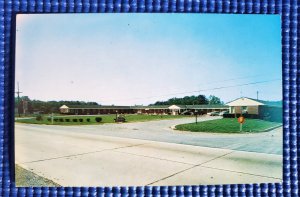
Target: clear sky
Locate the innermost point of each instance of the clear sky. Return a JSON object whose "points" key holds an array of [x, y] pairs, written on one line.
{"points": [[128, 59]]}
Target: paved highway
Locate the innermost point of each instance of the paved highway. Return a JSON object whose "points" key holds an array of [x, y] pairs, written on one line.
{"points": [[146, 153]]}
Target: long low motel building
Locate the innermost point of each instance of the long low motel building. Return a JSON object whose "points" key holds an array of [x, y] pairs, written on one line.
{"points": [[242, 105], [155, 109]]}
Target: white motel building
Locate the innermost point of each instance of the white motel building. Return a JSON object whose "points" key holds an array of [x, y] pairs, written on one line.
{"points": [[242, 105]]}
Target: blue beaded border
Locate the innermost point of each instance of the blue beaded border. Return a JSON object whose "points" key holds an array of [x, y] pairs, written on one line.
{"points": [[289, 11]]}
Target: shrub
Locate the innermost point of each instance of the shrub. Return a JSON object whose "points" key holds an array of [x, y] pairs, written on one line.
{"points": [[98, 119], [39, 118], [88, 120], [80, 120], [55, 119], [67, 120], [228, 115], [61, 120], [75, 120], [49, 119]]}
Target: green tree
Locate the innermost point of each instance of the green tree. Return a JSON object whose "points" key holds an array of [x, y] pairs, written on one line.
{"points": [[187, 100], [213, 100]]}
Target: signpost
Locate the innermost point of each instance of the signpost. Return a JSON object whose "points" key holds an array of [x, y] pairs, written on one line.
{"points": [[241, 120], [52, 116]]}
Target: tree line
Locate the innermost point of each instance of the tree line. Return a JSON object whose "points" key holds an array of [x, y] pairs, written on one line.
{"points": [[191, 100], [27, 106]]}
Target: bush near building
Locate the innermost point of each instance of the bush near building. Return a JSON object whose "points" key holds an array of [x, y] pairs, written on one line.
{"points": [[39, 118], [98, 119]]}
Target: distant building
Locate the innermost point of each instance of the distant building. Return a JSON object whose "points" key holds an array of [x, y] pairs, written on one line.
{"points": [[153, 109], [254, 108], [251, 108], [244, 105], [64, 109]]}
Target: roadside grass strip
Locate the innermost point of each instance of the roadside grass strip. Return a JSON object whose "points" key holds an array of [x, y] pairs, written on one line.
{"points": [[91, 120], [229, 125]]}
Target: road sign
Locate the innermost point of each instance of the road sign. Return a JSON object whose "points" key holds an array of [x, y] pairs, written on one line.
{"points": [[241, 119]]}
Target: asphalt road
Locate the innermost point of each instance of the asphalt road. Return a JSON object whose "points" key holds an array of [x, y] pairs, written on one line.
{"points": [[146, 153], [268, 142]]}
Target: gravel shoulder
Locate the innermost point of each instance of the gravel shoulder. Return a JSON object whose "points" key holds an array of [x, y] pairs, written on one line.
{"points": [[26, 178]]}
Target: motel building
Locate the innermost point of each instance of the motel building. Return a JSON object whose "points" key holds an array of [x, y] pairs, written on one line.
{"points": [[254, 108], [244, 106], [250, 108], [155, 109]]}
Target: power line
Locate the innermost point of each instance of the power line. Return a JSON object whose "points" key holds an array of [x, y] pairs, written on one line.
{"points": [[202, 90], [237, 78], [231, 79]]}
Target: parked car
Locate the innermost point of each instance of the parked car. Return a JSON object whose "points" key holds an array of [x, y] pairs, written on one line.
{"points": [[120, 119], [223, 112], [213, 113]]}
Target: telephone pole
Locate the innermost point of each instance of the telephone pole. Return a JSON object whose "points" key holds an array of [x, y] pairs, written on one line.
{"points": [[18, 93]]}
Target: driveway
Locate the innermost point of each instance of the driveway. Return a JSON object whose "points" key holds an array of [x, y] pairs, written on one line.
{"points": [[268, 142]]}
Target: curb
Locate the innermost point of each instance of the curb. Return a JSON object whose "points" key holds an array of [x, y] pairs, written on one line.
{"points": [[173, 127], [270, 129]]}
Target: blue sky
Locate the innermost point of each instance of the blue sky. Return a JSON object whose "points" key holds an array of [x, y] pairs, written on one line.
{"points": [[128, 59]]}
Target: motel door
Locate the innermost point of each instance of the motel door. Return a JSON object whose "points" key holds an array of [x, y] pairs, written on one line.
{"points": [[175, 112]]}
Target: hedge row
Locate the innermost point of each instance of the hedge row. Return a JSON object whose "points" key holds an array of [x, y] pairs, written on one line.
{"points": [[97, 119]]}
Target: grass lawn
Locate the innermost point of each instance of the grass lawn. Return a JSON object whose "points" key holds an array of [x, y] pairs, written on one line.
{"points": [[105, 119], [25, 178], [228, 125]]}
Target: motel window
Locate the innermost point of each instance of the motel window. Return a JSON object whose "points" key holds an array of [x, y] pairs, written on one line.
{"points": [[244, 108]]}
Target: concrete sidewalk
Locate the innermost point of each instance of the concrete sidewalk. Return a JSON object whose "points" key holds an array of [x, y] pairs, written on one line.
{"points": [[93, 160]]}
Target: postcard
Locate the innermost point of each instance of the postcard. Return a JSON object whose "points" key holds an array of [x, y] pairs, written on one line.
{"points": [[147, 99]]}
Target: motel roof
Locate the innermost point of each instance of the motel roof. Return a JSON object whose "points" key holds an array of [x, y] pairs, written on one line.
{"points": [[144, 107], [271, 103], [64, 107], [206, 106], [245, 101], [97, 107]]}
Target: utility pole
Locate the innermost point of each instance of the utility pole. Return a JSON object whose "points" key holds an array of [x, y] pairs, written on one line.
{"points": [[256, 95], [18, 93]]}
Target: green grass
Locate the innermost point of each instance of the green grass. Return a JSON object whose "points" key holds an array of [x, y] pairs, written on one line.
{"points": [[105, 119], [228, 125]]}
